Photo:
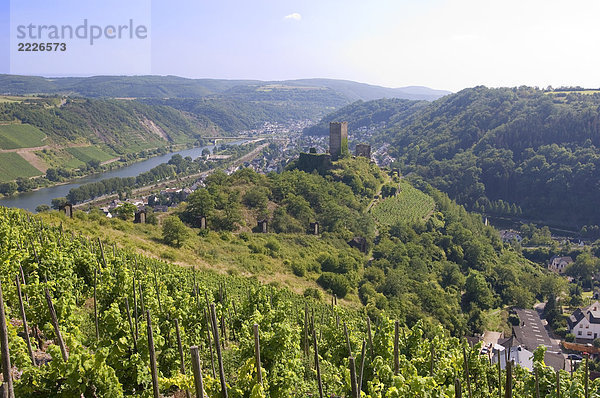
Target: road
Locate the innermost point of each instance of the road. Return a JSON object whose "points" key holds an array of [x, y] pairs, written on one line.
{"points": [[163, 184]]}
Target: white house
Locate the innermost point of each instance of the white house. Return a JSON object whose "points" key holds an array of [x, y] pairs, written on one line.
{"points": [[518, 354], [509, 236], [584, 323], [559, 264]]}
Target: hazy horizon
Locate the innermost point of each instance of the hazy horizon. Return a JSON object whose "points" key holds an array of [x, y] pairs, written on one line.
{"points": [[444, 45]]}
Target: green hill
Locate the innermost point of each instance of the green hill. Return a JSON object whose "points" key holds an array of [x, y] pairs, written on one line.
{"points": [[147, 308], [179, 87], [367, 114], [508, 151]]}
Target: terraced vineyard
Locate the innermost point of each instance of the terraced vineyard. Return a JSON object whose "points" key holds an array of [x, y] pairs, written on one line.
{"points": [[13, 136], [409, 205], [12, 166], [88, 153]]}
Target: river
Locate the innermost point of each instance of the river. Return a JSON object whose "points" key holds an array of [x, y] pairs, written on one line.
{"points": [[31, 200]]}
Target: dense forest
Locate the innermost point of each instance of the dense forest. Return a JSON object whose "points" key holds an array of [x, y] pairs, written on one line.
{"points": [[511, 151]]}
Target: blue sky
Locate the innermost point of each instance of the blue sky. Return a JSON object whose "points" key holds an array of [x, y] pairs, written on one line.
{"points": [[446, 44]]}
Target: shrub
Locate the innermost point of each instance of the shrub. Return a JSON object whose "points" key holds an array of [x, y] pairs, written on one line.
{"points": [[314, 293], [562, 332], [570, 337], [338, 284], [298, 269]]}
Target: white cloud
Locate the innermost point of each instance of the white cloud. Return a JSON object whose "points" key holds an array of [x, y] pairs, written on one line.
{"points": [[295, 16]]}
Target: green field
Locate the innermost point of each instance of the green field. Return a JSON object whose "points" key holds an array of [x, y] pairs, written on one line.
{"points": [[13, 136], [409, 205], [12, 166], [88, 153]]}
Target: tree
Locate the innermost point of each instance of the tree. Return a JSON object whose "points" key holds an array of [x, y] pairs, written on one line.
{"points": [[478, 293], [200, 204], [8, 188], [584, 267], [42, 208], [57, 203], [126, 211], [52, 174], [174, 231], [25, 184]]}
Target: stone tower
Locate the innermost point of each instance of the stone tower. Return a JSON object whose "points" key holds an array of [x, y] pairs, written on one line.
{"points": [[338, 139]]}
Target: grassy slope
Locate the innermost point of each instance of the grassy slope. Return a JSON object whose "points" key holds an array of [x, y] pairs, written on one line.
{"points": [[13, 136], [222, 252], [12, 166]]}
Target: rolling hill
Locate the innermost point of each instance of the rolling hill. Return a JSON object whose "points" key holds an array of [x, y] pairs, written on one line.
{"points": [[502, 151], [179, 87]]}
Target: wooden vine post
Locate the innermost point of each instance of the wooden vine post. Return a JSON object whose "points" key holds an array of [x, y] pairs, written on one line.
{"points": [[24, 318], [508, 389], [457, 388], [362, 364], [587, 375], [537, 383], [467, 377], [557, 384], [215, 329], [347, 340], [354, 385], [96, 306], [370, 336], [54, 319], [208, 331], [6, 366], [257, 354], [396, 342], [134, 338], [318, 368], [499, 376], [197, 369], [181, 359], [153, 368]]}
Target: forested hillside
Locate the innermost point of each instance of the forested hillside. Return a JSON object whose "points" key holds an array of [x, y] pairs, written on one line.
{"points": [[119, 124], [523, 146], [508, 151], [249, 107], [377, 113], [179, 87]]}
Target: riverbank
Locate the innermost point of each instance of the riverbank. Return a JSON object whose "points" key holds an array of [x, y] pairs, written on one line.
{"points": [[142, 191], [30, 200]]}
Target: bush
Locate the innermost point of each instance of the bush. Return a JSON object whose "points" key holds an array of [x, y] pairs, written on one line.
{"points": [[562, 332], [254, 248], [314, 293], [298, 269], [338, 284], [273, 247], [570, 337]]}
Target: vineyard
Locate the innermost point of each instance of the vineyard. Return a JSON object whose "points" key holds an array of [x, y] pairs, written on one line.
{"points": [[83, 319], [409, 205]]}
